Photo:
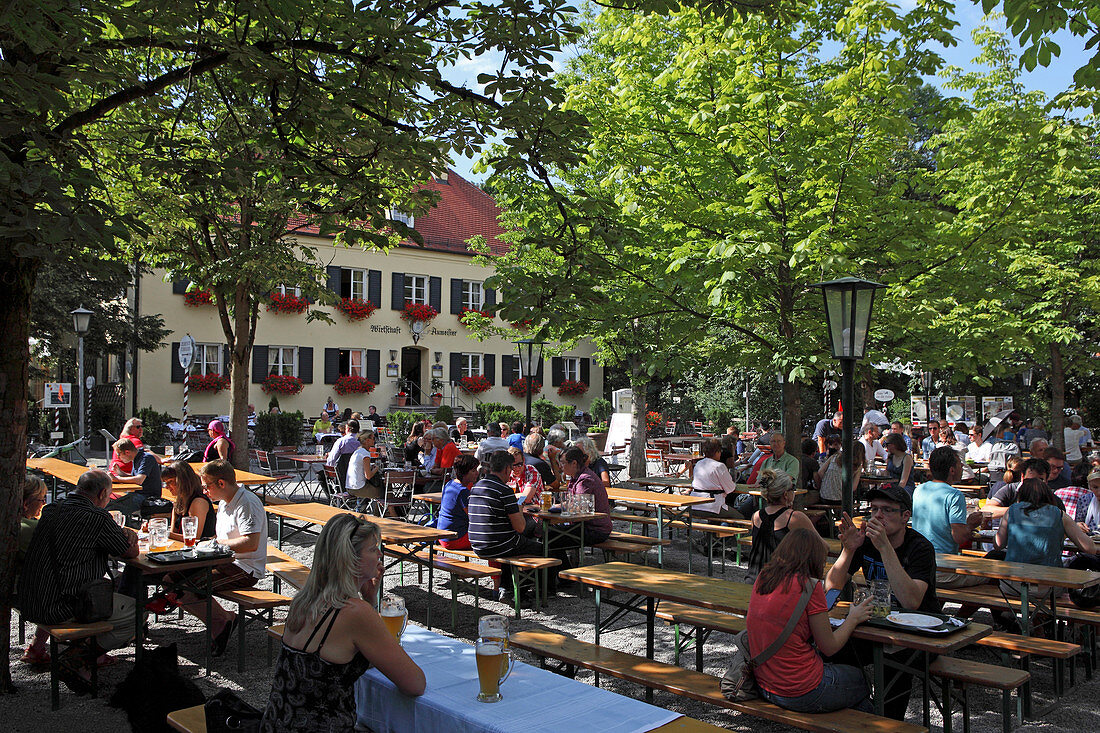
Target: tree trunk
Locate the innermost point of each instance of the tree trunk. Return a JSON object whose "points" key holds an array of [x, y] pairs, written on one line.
{"points": [[1057, 398], [792, 418], [639, 385], [240, 360], [17, 275]]}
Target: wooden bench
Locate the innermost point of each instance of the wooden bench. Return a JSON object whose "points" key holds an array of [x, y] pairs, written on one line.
{"points": [[461, 572], [65, 637], [283, 567], [642, 539], [524, 569], [573, 654], [714, 531], [612, 548], [253, 605], [965, 673], [703, 622]]}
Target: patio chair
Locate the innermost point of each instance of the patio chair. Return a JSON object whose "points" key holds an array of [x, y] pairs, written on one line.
{"points": [[265, 462], [398, 492]]}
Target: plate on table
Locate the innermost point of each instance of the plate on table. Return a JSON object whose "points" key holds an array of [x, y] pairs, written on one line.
{"points": [[210, 548], [914, 620], [987, 534]]}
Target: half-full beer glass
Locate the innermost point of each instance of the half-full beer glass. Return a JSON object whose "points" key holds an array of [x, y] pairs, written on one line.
{"points": [[493, 667], [394, 614]]}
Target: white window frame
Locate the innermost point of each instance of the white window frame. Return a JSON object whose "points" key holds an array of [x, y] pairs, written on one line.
{"points": [[473, 294], [473, 365], [361, 370], [202, 360], [282, 289], [397, 215], [517, 369], [278, 362], [358, 289], [416, 289], [571, 368]]}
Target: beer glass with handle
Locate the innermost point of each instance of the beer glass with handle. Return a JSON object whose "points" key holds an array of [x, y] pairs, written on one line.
{"points": [[393, 613], [493, 667]]}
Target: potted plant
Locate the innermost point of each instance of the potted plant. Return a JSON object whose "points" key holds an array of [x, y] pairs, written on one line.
{"points": [[437, 391], [402, 391]]}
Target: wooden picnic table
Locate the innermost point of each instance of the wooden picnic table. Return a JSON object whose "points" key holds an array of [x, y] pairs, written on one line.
{"points": [[670, 508], [393, 531], [1026, 574], [195, 576], [649, 586]]}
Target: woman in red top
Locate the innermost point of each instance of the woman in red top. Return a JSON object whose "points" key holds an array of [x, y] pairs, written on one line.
{"points": [[796, 677]]}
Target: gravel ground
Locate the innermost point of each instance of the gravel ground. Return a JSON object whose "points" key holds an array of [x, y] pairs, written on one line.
{"points": [[571, 613]]}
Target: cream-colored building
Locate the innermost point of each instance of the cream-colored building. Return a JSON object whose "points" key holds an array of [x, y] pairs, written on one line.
{"points": [[380, 348]]}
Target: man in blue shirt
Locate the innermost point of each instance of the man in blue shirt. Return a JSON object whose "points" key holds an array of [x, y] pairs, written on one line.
{"points": [[825, 428], [929, 444], [939, 513]]}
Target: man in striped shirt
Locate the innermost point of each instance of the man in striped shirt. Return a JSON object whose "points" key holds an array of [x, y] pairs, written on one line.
{"points": [[497, 526], [69, 549]]}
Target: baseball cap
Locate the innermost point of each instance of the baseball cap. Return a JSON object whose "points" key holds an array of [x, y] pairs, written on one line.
{"points": [[891, 492], [1094, 475]]}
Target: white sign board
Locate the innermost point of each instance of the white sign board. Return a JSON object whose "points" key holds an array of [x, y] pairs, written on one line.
{"points": [[618, 430], [884, 395], [918, 411], [186, 352], [992, 405], [58, 394], [622, 400]]}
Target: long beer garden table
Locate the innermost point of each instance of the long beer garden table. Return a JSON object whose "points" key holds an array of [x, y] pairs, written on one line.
{"points": [[195, 576], [1026, 575], [394, 532], [649, 586], [670, 508]]}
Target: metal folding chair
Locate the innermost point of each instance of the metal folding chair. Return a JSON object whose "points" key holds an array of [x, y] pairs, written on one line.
{"points": [[267, 467], [398, 491]]}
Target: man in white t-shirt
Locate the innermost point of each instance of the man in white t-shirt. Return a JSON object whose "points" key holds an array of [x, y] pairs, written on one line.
{"points": [[872, 448], [491, 443], [711, 478], [1076, 438], [241, 525]]}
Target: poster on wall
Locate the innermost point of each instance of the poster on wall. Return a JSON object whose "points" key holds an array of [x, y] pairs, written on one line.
{"points": [[962, 409], [918, 412], [992, 405]]}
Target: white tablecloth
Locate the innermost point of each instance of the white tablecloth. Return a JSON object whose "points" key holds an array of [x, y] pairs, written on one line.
{"points": [[534, 699]]}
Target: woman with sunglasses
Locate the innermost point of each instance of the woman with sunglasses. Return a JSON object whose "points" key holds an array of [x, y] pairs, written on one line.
{"points": [[180, 479]]}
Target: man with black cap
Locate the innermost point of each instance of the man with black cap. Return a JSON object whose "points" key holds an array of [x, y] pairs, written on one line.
{"points": [[886, 548]]}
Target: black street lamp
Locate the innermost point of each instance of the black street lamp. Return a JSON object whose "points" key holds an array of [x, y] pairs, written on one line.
{"points": [[528, 367], [82, 318], [1029, 378], [848, 304]]}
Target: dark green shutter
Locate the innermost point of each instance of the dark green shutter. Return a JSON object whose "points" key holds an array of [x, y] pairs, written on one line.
{"points": [[489, 367], [374, 357], [586, 373], [259, 364], [507, 370], [177, 370], [374, 287], [397, 297], [334, 279], [456, 296], [456, 367], [435, 293], [332, 365], [305, 364], [557, 371]]}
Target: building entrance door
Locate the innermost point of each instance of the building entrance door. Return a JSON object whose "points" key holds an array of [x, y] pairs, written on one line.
{"points": [[410, 370]]}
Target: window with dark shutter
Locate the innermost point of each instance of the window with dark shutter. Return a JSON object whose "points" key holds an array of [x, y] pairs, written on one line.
{"points": [[509, 370], [177, 370], [259, 364], [435, 293], [557, 371], [586, 371], [305, 364], [374, 359], [397, 297], [179, 287], [488, 368], [333, 277], [456, 367], [456, 295], [332, 365], [490, 297], [374, 287]]}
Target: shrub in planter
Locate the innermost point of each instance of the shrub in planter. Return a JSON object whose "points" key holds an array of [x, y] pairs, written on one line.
{"points": [[155, 426], [601, 410], [444, 413], [485, 409], [508, 415], [545, 411]]}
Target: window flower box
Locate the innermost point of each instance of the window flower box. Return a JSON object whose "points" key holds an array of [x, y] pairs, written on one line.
{"points": [[352, 384], [414, 312], [281, 384], [207, 382], [355, 309], [524, 386], [288, 303], [572, 388], [474, 315], [198, 298], [475, 385]]}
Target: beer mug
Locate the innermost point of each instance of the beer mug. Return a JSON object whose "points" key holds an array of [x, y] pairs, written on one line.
{"points": [[880, 598], [493, 667], [394, 615], [120, 520], [493, 627], [158, 534]]}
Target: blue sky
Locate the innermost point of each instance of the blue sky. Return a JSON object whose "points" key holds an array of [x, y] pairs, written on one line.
{"points": [[1051, 80]]}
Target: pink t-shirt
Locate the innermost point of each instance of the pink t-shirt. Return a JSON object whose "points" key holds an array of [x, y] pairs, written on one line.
{"points": [[796, 668]]}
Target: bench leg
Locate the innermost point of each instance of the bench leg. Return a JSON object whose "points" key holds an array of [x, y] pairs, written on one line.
{"points": [[454, 602], [1006, 711], [55, 667], [699, 637]]}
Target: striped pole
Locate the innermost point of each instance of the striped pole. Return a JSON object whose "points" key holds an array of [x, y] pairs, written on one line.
{"points": [[57, 420], [186, 384]]}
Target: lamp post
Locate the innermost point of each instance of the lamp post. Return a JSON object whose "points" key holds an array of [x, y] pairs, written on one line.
{"points": [[528, 368], [926, 382], [1029, 377], [81, 319], [848, 304]]}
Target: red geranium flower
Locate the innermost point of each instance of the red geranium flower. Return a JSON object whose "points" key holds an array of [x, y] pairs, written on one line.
{"points": [[521, 386], [414, 312], [356, 310], [281, 384], [475, 385], [197, 298], [351, 384], [207, 382], [572, 388], [288, 303]]}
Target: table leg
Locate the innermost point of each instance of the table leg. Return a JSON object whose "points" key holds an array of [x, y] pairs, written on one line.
{"points": [[880, 679], [431, 588], [208, 576], [650, 609], [661, 537], [686, 516], [279, 535], [139, 619], [597, 642], [1025, 610]]}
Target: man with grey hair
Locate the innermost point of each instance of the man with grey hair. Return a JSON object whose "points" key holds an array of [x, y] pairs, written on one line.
{"points": [[446, 452], [491, 443], [69, 549], [459, 430], [1076, 438]]}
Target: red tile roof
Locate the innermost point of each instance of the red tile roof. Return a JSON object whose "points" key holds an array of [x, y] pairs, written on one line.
{"points": [[463, 211]]}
